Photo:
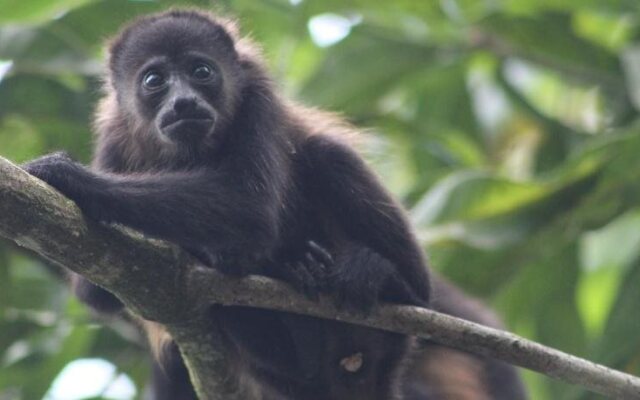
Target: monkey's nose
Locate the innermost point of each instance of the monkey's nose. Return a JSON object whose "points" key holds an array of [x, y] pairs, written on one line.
{"points": [[184, 105]]}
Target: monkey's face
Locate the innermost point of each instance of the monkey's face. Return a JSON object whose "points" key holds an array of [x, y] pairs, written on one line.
{"points": [[177, 76], [180, 96]]}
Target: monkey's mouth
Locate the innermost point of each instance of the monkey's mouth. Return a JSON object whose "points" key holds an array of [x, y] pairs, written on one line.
{"points": [[188, 128]]}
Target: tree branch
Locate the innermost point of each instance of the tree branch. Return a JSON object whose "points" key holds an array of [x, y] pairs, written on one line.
{"points": [[159, 282]]}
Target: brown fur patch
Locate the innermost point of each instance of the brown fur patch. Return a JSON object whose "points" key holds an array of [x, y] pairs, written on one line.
{"points": [[451, 374]]}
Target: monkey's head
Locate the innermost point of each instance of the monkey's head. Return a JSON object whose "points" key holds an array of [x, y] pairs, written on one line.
{"points": [[176, 76]]}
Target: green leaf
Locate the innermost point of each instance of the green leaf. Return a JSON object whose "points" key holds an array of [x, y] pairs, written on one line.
{"points": [[358, 74], [19, 138], [35, 10], [550, 41], [618, 346], [631, 63], [530, 6], [473, 195]]}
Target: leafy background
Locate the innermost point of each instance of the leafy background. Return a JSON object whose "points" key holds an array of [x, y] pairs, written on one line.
{"points": [[509, 129]]}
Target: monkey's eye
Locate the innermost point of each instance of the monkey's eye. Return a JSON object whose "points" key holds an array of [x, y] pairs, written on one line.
{"points": [[202, 72], [153, 80]]}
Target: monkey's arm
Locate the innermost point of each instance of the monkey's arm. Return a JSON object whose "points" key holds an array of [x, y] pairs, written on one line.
{"points": [[217, 209], [342, 183]]}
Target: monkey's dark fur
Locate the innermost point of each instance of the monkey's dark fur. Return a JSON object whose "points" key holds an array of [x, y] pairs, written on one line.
{"points": [[195, 146]]}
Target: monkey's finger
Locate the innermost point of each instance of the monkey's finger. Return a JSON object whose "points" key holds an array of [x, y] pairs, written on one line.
{"points": [[296, 276], [318, 270], [315, 264], [308, 282], [319, 251]]}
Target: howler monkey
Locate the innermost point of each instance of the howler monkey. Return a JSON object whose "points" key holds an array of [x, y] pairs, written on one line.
{"points": [[196, 146]]}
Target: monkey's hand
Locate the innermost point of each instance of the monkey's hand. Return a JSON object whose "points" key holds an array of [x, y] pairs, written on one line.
{"points": [[229, 263], [364, 278], [235, 264], [58, 170], [308, 271]]}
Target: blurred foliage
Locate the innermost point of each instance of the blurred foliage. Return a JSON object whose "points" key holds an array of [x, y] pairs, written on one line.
{"points": [[509, 128]]}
